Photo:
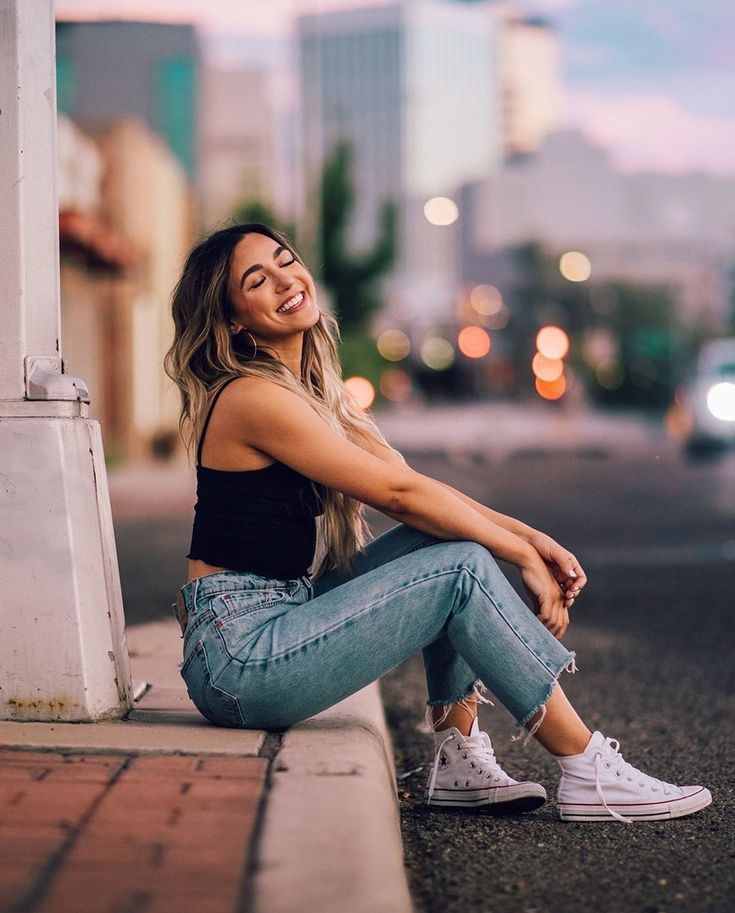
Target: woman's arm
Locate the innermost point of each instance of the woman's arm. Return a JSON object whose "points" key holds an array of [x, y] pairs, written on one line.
{"points": [[375, 446], [279, 423], [562, 563]]}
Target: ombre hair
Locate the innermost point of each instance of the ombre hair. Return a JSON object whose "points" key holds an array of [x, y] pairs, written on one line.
{"points": [[204, 355]]}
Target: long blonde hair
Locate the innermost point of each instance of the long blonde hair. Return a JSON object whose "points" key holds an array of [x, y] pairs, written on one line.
{"points": [[204, 355]]}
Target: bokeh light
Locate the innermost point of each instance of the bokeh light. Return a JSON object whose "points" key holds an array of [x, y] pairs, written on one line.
{"points": [[474, 342], [441, 211], [547, 369], [393, 345], [552, 342], [362, 390], [395, 385], [496, 321], [721, 401], [437, 353], [678, 422], [599, 346], [486, 300], [610, 375], [551, 389], [575, 266]]}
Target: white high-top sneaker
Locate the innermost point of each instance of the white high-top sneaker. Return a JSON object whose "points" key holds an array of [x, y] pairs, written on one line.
{"points": [[599, 785], [465, 774]]}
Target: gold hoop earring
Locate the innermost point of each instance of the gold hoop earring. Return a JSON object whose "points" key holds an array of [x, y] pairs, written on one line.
{"points": [[255, 344], [247, 332]]}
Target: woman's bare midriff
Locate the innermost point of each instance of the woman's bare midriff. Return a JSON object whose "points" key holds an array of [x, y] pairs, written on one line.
{"points": [[199, 568]]}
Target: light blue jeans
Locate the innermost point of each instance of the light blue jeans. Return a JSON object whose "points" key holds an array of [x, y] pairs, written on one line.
{"points": [[264, 654]]}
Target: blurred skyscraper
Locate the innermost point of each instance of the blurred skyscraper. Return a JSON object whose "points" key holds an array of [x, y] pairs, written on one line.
{"points": [[414, 87], [530, 62], [112, 70], [238, 140]]}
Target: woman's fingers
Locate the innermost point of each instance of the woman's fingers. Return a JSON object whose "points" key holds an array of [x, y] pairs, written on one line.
{"points": [[553, 614]]}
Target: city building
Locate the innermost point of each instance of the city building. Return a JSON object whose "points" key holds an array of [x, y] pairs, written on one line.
{"points": [[413, 87], [238, 141], [111, 70], [126, 221], [530, 75], [674, 230]]}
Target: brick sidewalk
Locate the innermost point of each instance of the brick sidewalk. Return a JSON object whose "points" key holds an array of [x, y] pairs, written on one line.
{"points": [[80, 833]]}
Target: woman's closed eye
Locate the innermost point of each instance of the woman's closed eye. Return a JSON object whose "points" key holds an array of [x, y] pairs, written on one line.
{"points": [[280, 266]]}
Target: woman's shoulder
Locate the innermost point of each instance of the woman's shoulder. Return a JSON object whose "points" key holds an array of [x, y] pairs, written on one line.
{"points": [[249, 388]]}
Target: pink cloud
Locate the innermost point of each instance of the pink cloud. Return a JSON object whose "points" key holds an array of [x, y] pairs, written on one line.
{"points": [[652, 132], [230, 16]]}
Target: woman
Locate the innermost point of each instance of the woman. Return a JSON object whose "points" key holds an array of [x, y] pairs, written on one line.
{"points": [[280, 442]]}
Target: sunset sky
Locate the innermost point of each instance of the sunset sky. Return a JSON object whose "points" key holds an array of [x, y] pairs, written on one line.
{"points": [[651, 80]]}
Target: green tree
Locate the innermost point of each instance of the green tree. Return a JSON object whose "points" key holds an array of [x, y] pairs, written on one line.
{"points": [[352, 278], [254, 210]]}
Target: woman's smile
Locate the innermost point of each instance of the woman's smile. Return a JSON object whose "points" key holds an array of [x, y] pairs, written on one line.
{"points": [[295, 303]]}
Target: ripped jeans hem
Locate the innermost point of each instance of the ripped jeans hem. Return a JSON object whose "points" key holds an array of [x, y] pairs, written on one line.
{"points": [[569, 666], [475, 689]]}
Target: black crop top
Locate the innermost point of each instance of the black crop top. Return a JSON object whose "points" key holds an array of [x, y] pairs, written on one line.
{"points": [[257, 520]]}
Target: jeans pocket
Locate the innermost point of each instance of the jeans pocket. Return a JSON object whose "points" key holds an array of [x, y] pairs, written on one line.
{"points": [[214, 704], [243, 602]]}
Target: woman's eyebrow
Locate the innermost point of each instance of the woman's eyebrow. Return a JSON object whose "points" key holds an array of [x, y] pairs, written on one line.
{"points": [[251, 269]]}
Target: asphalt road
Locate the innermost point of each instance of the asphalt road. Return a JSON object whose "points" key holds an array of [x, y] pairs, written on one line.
{"points": [[654, 640]]}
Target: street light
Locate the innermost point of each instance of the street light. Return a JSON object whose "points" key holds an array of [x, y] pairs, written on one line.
{"points": [[575, 266], [552, 342], [441, 211]]}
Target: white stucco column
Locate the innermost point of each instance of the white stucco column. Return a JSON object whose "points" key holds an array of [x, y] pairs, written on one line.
{"points": [[62, 642]]}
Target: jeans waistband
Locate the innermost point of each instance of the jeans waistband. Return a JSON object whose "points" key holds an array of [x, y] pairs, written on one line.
{"points": [[234, 581]]}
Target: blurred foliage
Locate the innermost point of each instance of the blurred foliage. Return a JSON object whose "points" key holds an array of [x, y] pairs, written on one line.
{"points": [[254, 210], [352, 278], [359, 356]]}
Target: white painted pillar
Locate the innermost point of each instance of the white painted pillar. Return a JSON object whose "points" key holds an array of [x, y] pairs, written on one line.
{"points": [[62, 641]]}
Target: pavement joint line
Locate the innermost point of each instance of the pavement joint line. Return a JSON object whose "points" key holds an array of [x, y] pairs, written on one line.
{"points": [[272, 744], [42, 882]]}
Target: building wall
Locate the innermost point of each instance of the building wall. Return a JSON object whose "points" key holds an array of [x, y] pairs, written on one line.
{"points": [[530, 60], [111, 70], [147, 198], [671, 229], [237, 147], [413, 87], [117, 277]]}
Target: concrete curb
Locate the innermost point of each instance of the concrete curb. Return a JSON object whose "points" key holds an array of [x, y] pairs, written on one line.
{"points": [[335, 769], [330, 835]]}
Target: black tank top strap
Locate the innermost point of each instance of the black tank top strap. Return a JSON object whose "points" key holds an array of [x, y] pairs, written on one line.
{"points": [[209, 416]]}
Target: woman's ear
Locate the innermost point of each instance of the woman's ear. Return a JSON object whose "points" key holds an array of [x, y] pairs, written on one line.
{"points": [[235, 328]]}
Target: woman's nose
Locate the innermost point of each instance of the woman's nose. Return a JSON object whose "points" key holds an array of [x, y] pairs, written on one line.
{"points": [[285, 281]]}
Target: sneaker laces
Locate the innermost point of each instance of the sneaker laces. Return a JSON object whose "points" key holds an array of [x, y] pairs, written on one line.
{"points": [[435, 767], [482, 751], [612, 759]]}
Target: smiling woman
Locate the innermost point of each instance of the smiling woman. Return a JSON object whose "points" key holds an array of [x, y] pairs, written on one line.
{"points": [[281, 444]]}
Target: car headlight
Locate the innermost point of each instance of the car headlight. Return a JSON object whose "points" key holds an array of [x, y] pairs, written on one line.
{"points": [[721, 401]]}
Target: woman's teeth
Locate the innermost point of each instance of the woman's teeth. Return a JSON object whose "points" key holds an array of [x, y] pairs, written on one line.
{"points": [[292, 302]]}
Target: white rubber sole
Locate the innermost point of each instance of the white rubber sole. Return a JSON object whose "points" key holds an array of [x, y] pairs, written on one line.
{"points": [[648, 811], [513, 799]]}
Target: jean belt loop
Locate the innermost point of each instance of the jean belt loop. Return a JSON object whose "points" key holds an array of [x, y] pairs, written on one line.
{"points": [[194, 594]]}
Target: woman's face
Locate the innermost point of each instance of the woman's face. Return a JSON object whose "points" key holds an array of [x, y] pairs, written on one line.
{"points": [[271, 293]]}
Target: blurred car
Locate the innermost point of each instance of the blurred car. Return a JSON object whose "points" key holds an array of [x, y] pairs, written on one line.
{"points": [[708, 398]]}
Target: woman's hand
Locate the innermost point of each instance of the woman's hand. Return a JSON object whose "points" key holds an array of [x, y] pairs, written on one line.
{"points": [[546, 593], [567, 571]]}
